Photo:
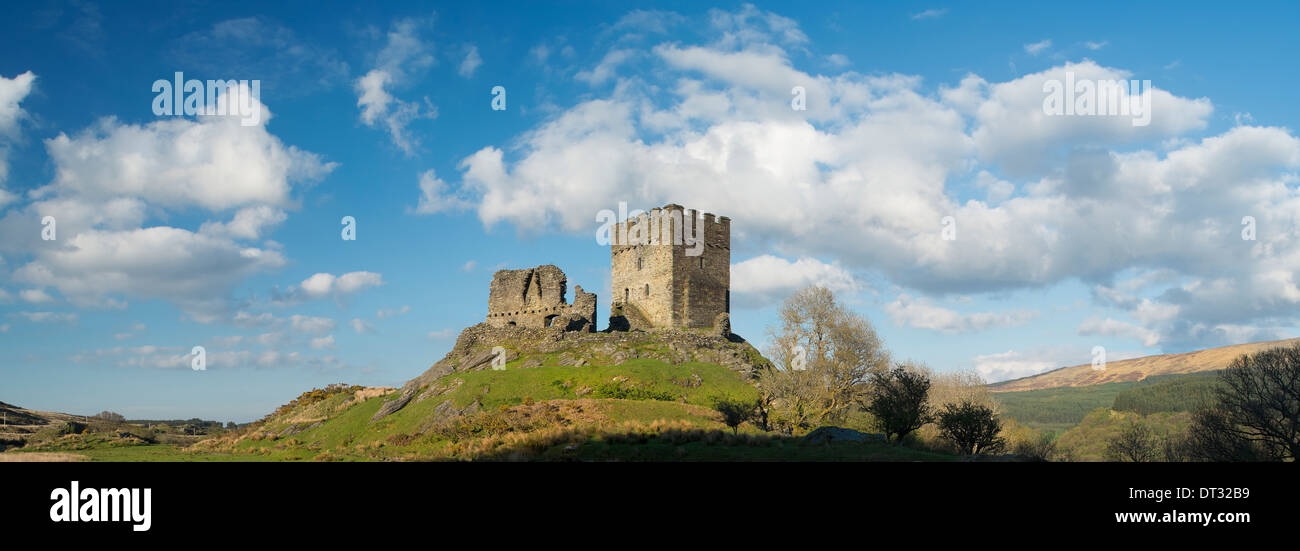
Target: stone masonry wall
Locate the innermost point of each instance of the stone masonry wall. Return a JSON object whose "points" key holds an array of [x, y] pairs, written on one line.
{"points": [[534, 297], [662, 279], [706, 279]]}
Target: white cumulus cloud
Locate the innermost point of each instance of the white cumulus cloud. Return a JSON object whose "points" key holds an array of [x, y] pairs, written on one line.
{"points": [[404, 53], [866, 174], [921, 313], [765, 279]]}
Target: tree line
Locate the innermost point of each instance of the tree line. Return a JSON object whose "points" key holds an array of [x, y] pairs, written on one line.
{"points": [[831, 368], [1252, 413]]}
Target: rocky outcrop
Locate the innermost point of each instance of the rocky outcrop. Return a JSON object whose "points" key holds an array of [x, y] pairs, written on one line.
{"points": [[468, 360], [826, 435]]}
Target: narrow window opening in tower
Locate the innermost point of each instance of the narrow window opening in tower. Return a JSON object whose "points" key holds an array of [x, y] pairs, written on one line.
{"points": [[701, 263], [625, 297], [647, 290], [638, 263]]}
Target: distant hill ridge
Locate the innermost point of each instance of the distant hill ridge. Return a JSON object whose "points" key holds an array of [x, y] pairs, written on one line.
{"points": [[1137, 369]]}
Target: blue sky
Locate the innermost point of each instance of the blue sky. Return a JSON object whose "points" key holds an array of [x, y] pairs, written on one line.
{"points": [[1071, 231]]}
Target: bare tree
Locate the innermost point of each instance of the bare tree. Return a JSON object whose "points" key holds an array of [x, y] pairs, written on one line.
{"points": [[1136, 443], [1258, 410], [1213, 436], [958, 387], [823, 357], [110, 416]]}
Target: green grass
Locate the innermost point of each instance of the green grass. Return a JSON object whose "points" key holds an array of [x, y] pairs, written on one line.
{"points": [[145, 453], [642, 410], [1058, 409], [672, 389], [161, 452], [646, 379], [656, 449], [652, 449]]}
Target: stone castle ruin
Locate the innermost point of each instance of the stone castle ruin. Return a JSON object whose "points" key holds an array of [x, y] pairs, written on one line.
{"points": [[534, 297], [669, 268]]}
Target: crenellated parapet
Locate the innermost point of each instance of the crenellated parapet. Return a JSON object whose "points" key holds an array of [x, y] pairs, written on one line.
{"points": [[673, 265]]}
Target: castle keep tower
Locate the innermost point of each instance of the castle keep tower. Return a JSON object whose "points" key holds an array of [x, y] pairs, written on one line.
{"points": [[671, 268]]}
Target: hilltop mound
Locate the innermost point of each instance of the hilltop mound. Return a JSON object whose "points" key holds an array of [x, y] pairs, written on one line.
{"points": [[1137, 369], [558, 390], [562, 395], [528, 348]]}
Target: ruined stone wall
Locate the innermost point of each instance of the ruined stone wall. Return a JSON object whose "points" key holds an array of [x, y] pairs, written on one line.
{"points": [[584, 308], [534, 297], [662, 279]]}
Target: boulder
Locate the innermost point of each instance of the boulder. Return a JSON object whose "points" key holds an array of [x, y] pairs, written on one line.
{"points": [[826, 435]]}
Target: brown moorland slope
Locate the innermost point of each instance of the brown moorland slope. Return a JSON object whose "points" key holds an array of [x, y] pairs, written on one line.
{"points": [[1136, 369], [17, 424]]}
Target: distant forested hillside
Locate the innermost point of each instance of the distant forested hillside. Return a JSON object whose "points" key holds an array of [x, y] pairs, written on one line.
{"points": [[1172, 393], [1058, 409]]}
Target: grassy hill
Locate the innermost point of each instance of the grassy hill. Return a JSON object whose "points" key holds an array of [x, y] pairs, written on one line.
{"points": [[21, 424], [623, 396], [1137, 369], [56, 436], [630, 396]]}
